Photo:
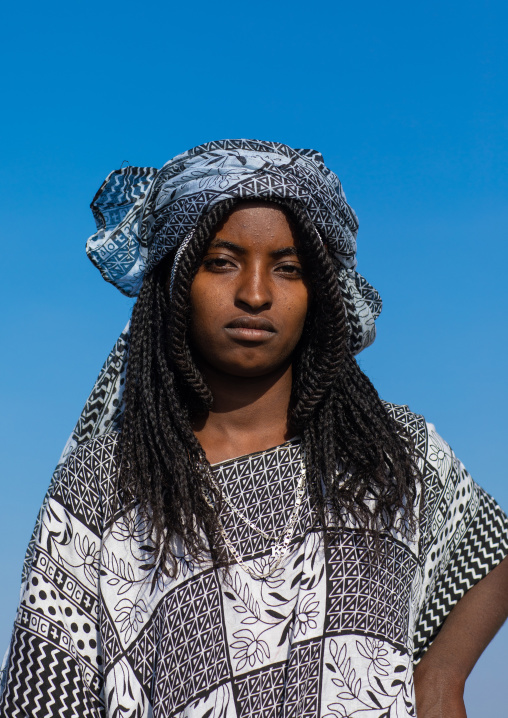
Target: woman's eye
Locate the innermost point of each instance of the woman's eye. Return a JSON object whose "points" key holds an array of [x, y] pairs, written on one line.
{"points": [[293, 269], [217, 263]]}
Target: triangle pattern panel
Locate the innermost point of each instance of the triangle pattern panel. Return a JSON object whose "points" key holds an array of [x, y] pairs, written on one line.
{"points": [[262, 487], [302, 697], [414, 424], [111, 647], [369, 594], [86, 482], [260, 694], [182, 652], [416, 427], [433, 490]]}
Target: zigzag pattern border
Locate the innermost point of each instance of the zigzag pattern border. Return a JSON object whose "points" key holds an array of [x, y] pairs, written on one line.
{"points": [[477, 554]]}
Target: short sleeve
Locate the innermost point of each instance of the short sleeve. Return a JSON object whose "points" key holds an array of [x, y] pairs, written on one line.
{"points": [[464, 535], [54, 666]]}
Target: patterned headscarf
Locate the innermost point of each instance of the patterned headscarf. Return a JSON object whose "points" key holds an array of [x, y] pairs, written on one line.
{"points": [[143, 214]]}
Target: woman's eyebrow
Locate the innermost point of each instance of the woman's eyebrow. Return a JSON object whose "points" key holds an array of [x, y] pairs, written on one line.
{"points": [[224, 244], [285, 252]]}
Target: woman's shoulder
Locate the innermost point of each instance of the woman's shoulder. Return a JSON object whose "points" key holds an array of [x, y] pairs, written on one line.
{"points": [[429, 446], [413, 424], [99, 452], [90, 469]]}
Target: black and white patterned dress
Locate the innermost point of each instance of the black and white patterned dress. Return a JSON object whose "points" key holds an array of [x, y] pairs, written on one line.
{"points": [[331, 633]]}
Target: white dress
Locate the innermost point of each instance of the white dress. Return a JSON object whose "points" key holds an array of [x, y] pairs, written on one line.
{"points": [[331, 633]]}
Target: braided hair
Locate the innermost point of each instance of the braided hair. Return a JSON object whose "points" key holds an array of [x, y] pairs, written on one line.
{"points": [[354, 450]]}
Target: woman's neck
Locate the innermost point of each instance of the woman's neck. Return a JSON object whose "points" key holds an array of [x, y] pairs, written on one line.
{"points": [[248, 414]]}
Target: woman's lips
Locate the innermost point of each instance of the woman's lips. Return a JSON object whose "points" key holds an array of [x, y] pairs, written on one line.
{"points": [[251, 329]]}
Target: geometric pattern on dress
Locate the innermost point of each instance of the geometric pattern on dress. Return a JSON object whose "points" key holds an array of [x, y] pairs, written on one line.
{"points": [[44, 680], [80, 601], [413, 423], [301, 698], [142, 656], [260, 694], [110, 643], [103, 458], [484, 545], [80, 480], [61, 611], [453, 504], [187, 645], [52, 633], [433, 490], [218, 703], [454, 507], [417, 428], [369, 594], [262, 486]]}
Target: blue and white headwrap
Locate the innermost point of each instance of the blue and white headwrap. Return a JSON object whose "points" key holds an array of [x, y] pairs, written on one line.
{"points": [[143, 213]]}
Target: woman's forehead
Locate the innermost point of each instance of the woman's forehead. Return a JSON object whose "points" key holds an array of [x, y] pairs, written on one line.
{"points": [[258, 220]]}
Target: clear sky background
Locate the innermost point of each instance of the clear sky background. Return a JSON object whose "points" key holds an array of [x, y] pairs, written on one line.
{"points": [[408, 104]]}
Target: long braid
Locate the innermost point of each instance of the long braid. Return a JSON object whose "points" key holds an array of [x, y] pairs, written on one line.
{"points": [[353, 449], [187, 268], [336, 402]]}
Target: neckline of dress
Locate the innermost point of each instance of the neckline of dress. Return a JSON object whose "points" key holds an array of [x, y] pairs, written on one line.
{"points": [[293, 440]]}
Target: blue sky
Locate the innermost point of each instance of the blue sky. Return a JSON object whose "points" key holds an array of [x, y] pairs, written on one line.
{"points": [[408, 104]]}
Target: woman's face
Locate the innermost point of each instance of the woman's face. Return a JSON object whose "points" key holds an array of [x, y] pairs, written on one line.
{"points": [[249, 298]]}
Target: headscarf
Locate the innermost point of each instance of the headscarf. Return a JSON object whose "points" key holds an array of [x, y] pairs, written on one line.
{"points": [[143, 213]]}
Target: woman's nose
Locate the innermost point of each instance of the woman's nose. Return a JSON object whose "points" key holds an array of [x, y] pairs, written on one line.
{"points": [[254, 290]]}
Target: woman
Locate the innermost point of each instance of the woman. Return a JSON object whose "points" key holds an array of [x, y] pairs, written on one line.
{"points": [[247, 530]]}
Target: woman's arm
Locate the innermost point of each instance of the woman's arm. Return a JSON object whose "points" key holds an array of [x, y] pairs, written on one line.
{"points": [[441, 675]]}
